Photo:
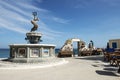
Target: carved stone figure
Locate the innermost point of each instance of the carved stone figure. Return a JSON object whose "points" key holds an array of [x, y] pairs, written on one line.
{"points": [[33, 37], [35, 25]]}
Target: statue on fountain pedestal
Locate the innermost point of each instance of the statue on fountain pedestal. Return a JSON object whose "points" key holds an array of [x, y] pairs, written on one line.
{"points": [[35, 26], [34, 37]]}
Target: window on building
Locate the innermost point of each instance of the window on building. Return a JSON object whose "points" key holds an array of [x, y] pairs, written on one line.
{"points": [[114, 45]]}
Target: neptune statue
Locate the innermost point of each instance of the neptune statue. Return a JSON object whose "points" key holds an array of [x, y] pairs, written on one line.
{"points": [[35, 26]]}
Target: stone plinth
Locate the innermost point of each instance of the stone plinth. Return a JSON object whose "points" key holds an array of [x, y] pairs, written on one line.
{"points": [[33, 37], [31, 53]]}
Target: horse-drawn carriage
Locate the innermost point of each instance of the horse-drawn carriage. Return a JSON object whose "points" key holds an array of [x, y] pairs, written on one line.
{"points": [[113, 57]]}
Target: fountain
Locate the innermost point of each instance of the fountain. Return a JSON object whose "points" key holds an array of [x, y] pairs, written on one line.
{"points": [[32, 51]]}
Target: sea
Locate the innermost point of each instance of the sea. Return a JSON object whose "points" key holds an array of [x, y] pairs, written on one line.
{"points": [[4, 53]]}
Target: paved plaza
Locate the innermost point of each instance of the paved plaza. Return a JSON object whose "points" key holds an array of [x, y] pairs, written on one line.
{"points": [[75, 68]]}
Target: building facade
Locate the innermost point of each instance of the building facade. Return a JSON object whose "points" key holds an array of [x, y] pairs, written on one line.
{"points": [[114, 43]]}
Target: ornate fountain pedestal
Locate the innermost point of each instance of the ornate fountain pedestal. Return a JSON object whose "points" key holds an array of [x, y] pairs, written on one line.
{"points": [[33, 37], [31, 53]]}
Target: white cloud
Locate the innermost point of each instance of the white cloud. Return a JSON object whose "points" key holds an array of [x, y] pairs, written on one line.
{"points": [[43, 26], [15, 17], [31, 7], [57, 19], [60, 20], [47, 32], [11, 26], [14, 8]]}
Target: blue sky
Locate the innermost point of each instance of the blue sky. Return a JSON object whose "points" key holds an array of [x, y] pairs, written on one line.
{"points": [[97, 20]]}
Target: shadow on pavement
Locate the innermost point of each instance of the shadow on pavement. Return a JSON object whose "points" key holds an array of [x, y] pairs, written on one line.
{"points": [[105, 73], [110, 69], [100, 58]]}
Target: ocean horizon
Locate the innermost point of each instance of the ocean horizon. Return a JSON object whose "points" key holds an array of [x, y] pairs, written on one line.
{"points": [[4, 53]]}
